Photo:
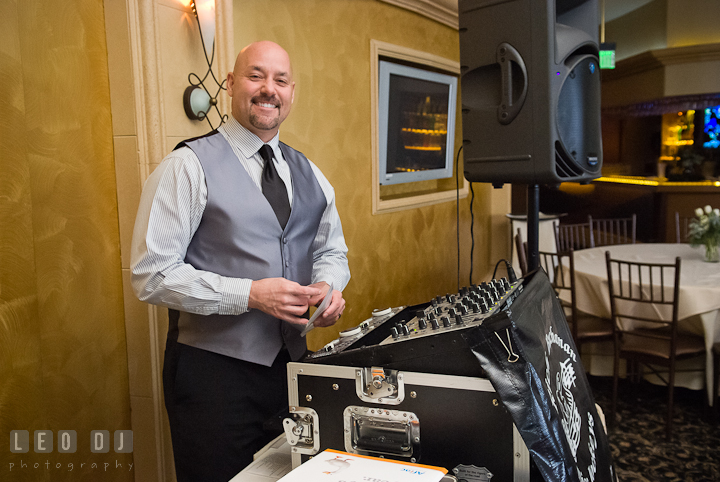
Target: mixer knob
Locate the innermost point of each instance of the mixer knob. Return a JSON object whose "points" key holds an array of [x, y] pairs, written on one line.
{"points": [[434, 324], [463, 310], [431, 316], [445, 321], [405, 330], [422, 324], [439, 299], [484, 307], [458, 319], [438, 311], [451, 298], [394, 333]]}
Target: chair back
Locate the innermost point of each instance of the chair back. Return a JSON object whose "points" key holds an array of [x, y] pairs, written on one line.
{"points": [[606, 232], [569, 237], [560, 268], [682, 228], [638, 293], [521, 249]]}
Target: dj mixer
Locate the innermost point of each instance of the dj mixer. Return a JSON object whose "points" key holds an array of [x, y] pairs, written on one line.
{"points": [[418, 337]]}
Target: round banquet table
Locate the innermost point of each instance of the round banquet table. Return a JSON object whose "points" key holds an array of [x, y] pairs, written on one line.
{"points": [[699, 305]]}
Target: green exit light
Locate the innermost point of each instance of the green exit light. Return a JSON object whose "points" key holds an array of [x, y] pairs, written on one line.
{"points": [[607, 55]]}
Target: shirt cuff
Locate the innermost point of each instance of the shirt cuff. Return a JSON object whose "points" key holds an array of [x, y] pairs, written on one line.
{"points": [[235, 296]]}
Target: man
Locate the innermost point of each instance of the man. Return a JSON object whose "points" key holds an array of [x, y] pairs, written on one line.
{"points": [[238, 247]]}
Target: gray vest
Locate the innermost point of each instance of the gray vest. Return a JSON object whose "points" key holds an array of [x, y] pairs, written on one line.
{"points": [[239, 236]]}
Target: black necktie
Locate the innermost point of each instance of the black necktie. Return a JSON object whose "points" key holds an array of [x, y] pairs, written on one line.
{"points": [[274, 188]]}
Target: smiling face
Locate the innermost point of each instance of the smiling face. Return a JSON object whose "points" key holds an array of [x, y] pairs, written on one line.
{"points": [[262, 88]]}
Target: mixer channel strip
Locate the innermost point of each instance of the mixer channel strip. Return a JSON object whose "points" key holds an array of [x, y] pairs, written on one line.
{"points": [[470, 307]]}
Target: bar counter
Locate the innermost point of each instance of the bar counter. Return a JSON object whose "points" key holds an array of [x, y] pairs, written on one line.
{"points": [[654, 200]]}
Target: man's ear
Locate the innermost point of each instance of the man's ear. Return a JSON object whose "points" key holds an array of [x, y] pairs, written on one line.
{"points": [[230, 82]]}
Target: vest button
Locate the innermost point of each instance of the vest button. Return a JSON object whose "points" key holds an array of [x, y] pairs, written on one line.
{"points": [[284, 240], [287, 263]]}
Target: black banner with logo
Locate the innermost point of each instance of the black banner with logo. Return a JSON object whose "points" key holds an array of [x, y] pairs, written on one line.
{"points": [[529, 356]]}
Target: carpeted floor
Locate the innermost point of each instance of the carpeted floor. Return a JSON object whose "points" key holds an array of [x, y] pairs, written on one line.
{"points": [[639, 449]]}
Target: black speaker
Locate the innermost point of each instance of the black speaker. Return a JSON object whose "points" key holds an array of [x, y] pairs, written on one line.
{"points": [[530, 87]]}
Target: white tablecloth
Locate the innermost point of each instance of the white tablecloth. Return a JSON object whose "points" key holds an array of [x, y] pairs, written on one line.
{"points": [[699, 308]]}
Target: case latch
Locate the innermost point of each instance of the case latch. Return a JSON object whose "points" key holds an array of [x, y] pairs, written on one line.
{"points": [[302, 430], [378, 385]]}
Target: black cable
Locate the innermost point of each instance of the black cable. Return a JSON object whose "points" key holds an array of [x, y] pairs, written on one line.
{"points": [[512, 277], [472, 234], [457, 213], [496, 267]]}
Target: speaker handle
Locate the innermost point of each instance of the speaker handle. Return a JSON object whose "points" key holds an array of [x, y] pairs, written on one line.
{"points": [[507, 110]]}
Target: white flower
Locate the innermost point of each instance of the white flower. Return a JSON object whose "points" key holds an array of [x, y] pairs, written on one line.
{"points": [[698, 212], [716, 212], [708, 209]]}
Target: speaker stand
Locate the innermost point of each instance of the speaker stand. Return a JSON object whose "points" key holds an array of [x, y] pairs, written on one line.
{"points": [[533, 225]]}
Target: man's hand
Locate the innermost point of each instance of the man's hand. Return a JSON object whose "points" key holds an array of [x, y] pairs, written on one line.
{"points": [[283, 299], [334, 309]]}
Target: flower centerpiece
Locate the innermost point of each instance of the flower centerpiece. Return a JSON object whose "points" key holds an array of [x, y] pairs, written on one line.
{"points": [[704, 230]]}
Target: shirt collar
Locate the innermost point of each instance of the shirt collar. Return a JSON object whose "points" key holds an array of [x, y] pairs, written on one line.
{"points": [[247, 142]]}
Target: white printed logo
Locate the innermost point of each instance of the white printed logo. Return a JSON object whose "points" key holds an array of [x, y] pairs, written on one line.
{"points": [[560, 383]]}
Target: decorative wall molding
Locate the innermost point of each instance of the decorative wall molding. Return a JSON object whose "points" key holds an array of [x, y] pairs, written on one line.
{"points": [[225, 42], [656, 80], [443, 11], [659, 58], [145, 46], [150, 135]]}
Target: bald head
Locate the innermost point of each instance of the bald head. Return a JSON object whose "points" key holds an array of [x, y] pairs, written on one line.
{"points": [[262, 48], [262, 88]]}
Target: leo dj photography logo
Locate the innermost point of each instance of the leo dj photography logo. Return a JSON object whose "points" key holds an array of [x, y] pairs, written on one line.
{"points": [[66, 442]]}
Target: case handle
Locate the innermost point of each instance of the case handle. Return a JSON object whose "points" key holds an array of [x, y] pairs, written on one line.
{"points": [[508, 110]]}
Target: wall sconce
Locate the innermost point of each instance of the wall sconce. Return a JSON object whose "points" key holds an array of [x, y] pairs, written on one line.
{"points": [[198, 99]]}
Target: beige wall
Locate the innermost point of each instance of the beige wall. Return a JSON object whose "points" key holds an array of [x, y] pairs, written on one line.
{"points": [[640, 30], [666, 48], [63, 363], [665, 24], [105, 84], [692, 22], [399, 258]]}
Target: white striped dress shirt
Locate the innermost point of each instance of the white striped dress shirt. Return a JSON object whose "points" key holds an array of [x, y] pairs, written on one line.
{"points": [[171, 207]]}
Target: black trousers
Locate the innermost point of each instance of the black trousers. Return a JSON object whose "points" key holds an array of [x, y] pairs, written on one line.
{"points": [[216, 407]]}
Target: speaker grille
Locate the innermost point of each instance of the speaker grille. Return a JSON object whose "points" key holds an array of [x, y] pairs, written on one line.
{"points": [[565, 166], [578, 119]]}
